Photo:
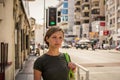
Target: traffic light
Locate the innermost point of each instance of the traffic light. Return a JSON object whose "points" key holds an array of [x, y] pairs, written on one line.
{"points": [[59, 16], [52, 16], [59, 19]]}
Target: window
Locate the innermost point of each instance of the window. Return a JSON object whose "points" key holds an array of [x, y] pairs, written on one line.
{"points": [[86, 14], [85, 0], [65, 5], [100, 18], [77, 3], [96, 11], [64, 11], [77, 23], [86, 21], [65, 18], [77, 9]]}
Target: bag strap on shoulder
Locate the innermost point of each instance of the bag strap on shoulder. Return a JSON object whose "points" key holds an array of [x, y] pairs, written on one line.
{"points": [[71, 73], [67, 57]]}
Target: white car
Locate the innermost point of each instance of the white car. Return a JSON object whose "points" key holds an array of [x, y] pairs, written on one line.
{"points": [[118, 48], [106, 46]]}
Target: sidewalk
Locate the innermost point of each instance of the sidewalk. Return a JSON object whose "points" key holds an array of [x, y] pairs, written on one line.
{"points": [[27, 72]]}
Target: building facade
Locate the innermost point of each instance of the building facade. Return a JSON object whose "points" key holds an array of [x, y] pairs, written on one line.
{"points": [[14, 36], [86, 12], [113, 21]]}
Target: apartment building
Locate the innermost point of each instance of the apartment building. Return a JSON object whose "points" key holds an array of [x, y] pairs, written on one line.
{"points": [[112, 15], [97, 20], [86, 13], [77, 28], [62, 14], [89, 18]]}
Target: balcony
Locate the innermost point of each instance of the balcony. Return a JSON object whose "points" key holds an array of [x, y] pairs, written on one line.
{"points": [[77, 22], [85, 18], [95, 6], [77, 6], [85, 3], [77, 9], [77, 13], [85, 9], [95, 11], [76, 19], [110, 2], [85, 0], [94, 1], [118, 19], [77, 3]]}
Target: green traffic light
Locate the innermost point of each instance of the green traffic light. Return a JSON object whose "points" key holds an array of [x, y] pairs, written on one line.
{"points": [[52, 23]]}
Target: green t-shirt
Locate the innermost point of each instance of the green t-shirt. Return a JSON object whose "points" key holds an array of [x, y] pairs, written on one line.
{"points": [[52, 67]]}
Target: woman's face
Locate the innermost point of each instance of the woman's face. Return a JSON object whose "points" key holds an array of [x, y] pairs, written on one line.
{"points": [[55, 40]]}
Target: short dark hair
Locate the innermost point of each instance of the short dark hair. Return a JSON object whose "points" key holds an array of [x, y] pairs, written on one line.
{"points": [[51, 31]]}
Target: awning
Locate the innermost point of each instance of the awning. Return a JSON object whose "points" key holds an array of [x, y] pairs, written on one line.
{"points": [[84, 41]]}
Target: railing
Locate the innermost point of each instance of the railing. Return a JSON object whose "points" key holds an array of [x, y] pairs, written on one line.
{"points": [[81, 73]]}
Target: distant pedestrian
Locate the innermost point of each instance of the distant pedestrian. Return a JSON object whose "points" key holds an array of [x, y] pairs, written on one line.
{"points": [[37, 52], [102, 45], [53, 65], [93, 48]]}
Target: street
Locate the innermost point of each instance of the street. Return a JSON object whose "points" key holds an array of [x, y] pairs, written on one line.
{"points": [[102, 64]]}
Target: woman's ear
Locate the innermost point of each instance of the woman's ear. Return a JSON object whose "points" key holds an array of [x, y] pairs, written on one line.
{"points": [[47, 39]]}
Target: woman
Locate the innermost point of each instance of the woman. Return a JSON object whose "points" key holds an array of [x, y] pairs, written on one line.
{"points": [[52, 65]]}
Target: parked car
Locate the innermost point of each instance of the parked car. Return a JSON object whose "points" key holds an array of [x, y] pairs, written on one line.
{"points": [[106, 46], [44, 47], [82, 46], [66, 46], [118, 48]]}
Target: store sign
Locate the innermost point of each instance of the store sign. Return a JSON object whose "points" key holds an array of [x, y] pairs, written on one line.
{"points": [[105, 32], [102, 23]]}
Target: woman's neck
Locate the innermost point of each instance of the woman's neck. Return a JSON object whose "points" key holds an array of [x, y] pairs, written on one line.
{"points": [[53, 52]]}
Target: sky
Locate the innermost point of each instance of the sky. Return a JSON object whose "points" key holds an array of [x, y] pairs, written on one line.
{"points": [[37, 9]]}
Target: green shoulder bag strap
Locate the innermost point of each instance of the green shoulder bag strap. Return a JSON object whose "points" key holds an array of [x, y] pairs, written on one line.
{"points": [[71, 73]]}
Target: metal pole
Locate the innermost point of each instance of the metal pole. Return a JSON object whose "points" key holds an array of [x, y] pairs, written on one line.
{"points": [[87, 75], [44, 28]]}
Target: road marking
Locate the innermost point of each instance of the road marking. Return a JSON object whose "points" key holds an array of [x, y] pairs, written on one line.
{"points": [[113, 64]]}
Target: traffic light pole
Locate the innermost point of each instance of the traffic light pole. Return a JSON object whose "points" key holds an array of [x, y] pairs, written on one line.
{"points": [[44, 28]]}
